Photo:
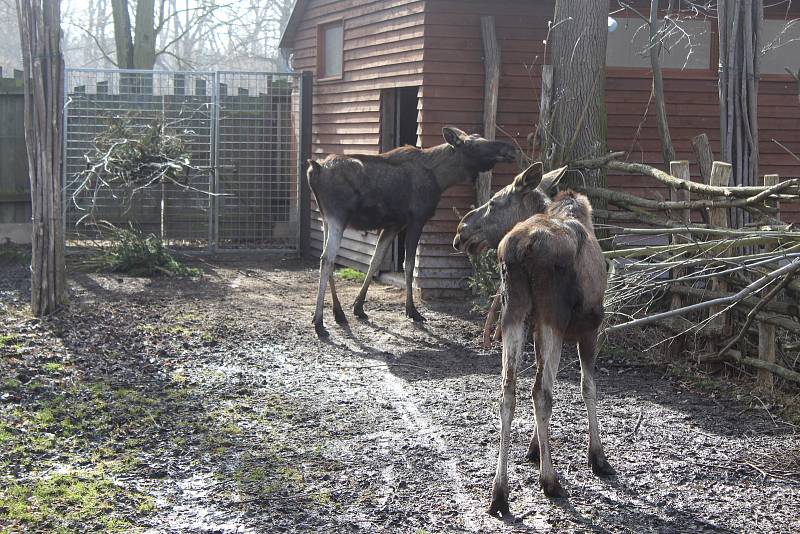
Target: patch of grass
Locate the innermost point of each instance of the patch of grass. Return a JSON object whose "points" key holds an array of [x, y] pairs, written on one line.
{"points": [[9, 341], [53, 367], [77, 501], [351, 275], [15, 254]]}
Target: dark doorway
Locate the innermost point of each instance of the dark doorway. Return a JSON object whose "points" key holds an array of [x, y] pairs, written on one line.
{"points": [[398, 128]]}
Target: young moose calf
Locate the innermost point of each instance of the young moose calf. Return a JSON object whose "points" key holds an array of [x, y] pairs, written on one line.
{"points": [[553, 280], [395, 191]]}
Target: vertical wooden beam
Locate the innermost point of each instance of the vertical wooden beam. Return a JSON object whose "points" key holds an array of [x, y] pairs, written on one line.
{"points": [[679, 169], [705, 158], [718, 217], [545, 116], [304, 208], [491, 61], [766, 332]]}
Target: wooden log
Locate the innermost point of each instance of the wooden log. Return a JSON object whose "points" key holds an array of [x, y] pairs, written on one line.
{"points": [[766, 331], [491, 59], [705, 159], [679, 169], [720, 177]]}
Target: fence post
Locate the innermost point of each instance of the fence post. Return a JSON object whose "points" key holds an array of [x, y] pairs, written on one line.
{"points": [[304, 211], [766, 332], [718, 217], [679, 169]]}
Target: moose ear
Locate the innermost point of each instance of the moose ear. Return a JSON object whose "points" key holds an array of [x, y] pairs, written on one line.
{"points": [[551, 179], [529, 178], [453, 135]]}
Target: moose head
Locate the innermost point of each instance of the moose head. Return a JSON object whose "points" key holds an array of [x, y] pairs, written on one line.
{"points": [[529, 194]]}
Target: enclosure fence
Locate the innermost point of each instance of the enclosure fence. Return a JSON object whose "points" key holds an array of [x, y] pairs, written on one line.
{"points": [[235, 136]]}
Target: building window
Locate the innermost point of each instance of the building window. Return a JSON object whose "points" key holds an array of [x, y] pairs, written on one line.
{"points": [[780, 46], [686, 47], [330, 50]]}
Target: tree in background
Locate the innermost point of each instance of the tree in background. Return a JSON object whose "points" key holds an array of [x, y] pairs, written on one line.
{"points": [[578, 122], [740, 23], [40, 37]]}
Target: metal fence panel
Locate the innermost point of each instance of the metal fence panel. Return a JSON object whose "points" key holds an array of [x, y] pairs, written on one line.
{"points": [[257, 155], [241, 131]]}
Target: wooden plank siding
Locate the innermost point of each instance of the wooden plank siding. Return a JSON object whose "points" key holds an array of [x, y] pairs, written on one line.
{"points": [[452, 93], [436, 44], [383, 48]]}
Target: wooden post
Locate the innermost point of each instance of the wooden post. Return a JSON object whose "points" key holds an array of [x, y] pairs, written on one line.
{"points": [[720, 176], [679, 169], [766, 332], [545, 116], [491, 58], [40, 32], [304, 209], [705, 158]]}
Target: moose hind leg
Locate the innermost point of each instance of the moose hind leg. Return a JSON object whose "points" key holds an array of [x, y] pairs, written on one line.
{"points": [[326, 265], [548, 345], [596, 457], [513, 345], [412, 240], [338, 312], [516, 308]]}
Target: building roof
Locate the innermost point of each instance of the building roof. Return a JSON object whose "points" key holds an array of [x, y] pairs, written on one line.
{"points": [[287, 39]]}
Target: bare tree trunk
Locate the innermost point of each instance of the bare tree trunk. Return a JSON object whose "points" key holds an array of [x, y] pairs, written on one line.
{"points": [[144, 40], [40, 36], [579, 124], [122, 33], [740, 25]]}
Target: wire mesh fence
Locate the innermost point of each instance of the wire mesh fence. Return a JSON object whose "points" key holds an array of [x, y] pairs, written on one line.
{"points": [[215, 156]]}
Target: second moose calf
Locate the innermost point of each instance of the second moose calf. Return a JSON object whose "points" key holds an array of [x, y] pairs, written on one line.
{"points": [[553, 281]]}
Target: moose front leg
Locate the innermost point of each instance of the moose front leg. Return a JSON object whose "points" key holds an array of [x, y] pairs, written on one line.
{"points": [[596, 457], [412, 240], [381, 248]]}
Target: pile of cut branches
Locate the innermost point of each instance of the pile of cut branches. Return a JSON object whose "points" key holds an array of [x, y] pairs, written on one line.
{"points": [[677, 263], [126, 159]]}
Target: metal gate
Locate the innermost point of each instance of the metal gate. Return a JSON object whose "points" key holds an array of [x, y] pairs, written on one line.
{"points": [[236, 132]]}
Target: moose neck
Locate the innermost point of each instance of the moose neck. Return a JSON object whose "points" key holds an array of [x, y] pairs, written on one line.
{"points": [[447, 164]]}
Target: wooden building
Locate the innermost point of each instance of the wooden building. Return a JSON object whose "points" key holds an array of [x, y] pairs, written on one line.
{"points": [[391, 72]]}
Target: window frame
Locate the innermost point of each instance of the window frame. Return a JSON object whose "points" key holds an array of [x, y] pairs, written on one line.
{"points": [[322, 76], [712, 72]]}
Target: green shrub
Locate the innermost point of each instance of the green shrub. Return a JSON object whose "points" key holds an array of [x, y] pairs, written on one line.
{"points": [[485, 282], [133, 252]]}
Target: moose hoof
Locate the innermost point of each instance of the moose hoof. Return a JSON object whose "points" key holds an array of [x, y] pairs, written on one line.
{"points": [[339, 316], [600, 465], [320, 329], [552, 488], [414, 315], [499, 505], [358, 311], [533, 454]]}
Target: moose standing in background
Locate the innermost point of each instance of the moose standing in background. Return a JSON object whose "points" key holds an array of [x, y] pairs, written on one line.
{"points": [[397, 190], [553, 280]]}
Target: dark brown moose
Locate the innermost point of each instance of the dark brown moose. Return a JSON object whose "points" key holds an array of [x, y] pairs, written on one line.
{"points": [[553, 280], [397, 190]]}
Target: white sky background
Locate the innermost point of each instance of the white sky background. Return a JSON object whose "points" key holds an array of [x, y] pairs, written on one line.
{"points": [[230, 33]]}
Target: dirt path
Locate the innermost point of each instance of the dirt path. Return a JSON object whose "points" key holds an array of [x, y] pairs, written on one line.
{"points": [[245, 422]]}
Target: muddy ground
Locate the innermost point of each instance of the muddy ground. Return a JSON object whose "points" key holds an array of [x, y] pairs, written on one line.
{"points": [[208, 405]]}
